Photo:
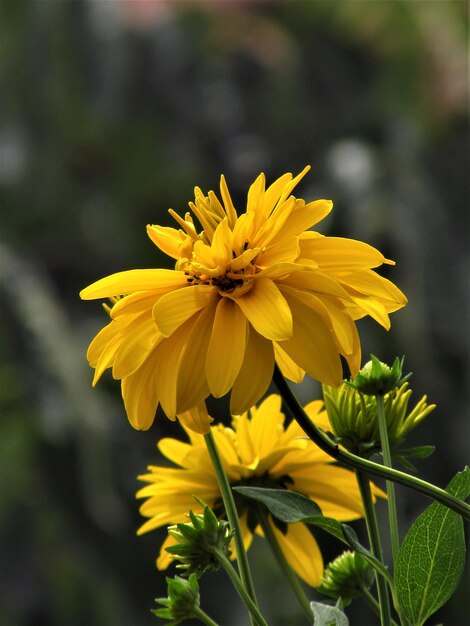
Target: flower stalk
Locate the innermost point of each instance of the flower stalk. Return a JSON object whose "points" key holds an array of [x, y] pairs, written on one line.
{"points": [[372, 603], [282, 562], [232, 515], [387, 458], [240, 589], [376, 546], [348, 459], [203, 617]]}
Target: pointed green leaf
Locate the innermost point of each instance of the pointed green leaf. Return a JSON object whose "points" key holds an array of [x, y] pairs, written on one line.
{"points": [[432, 557], [288, 506], [328, 615]]}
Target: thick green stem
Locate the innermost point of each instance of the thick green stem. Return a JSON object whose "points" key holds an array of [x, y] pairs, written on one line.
{"points": [[203, 617], [283, 564], [232, 514], [376, 547], [348, 459], [391, 501], [237, 583]]}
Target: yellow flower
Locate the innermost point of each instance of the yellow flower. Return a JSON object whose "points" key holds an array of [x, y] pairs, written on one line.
{"points": [[258, 451], [246, 291]]}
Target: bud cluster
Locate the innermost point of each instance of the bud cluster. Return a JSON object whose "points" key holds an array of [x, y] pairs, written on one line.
{"points": [[352, 410], [199, 542]]}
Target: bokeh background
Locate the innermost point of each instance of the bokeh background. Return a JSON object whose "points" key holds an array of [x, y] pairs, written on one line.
{"points": [[112, 112]]}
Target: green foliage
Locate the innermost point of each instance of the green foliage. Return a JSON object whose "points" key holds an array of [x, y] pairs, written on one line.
{"points": [[287, 506], [182, 600], [432, 558], [291, 507]]}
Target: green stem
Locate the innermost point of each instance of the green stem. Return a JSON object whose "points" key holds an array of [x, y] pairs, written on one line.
{"points": [[391, 501], [203, 617], [372, 602], [242, 592], [348, 459], [376, 547], [284, 565], [232, 514]]}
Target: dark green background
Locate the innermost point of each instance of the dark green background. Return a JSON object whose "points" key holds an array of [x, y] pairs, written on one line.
{"points": [[111, 113]]}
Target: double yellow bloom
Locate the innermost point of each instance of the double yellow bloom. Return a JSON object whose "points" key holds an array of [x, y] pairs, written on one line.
{"points": [[260, 451], [247, 291]]}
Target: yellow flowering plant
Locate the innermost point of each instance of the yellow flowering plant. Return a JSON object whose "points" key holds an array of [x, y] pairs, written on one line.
{"points": [[261, 284], [257, 296]]}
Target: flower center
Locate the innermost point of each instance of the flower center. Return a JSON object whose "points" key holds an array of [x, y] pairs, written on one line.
{"points": [[234, 278]]}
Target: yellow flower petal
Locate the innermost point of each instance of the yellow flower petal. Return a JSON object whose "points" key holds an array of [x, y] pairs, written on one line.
{"points": [[173, 242], [168, 355], [312, 346], [255, 374], [228, 204], [336, 253], [226, 348], [334, 489], [174, 450], [255, 194], [265, 424], [315, 411], [134, 280], [307, 215], [286, 250], [288, 367], [134, 304], [246, 450], [102, 342], [174, 308], [302, 552], [258, 306], [317, 283], [142, 337], [140, 395], [192, 387], [273, 193], [196, 419], [371, 284]]}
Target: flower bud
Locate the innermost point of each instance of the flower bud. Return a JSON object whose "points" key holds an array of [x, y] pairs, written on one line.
{"points": [[183, 598], [199, 541], [346, 576], [354, 423], [377, 378]]}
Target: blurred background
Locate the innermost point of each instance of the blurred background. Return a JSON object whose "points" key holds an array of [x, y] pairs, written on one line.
{"points": [[112, 112]]}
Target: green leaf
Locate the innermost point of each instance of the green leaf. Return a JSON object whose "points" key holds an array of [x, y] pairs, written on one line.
{"points": [[328, 615], [288, 506], [432, 557], [419, 452]]}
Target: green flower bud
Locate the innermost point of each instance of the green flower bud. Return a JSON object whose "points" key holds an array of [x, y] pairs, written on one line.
{"points": [[199, 542], [353, 419], [182, 601], [377, 378], [346, 576]]}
